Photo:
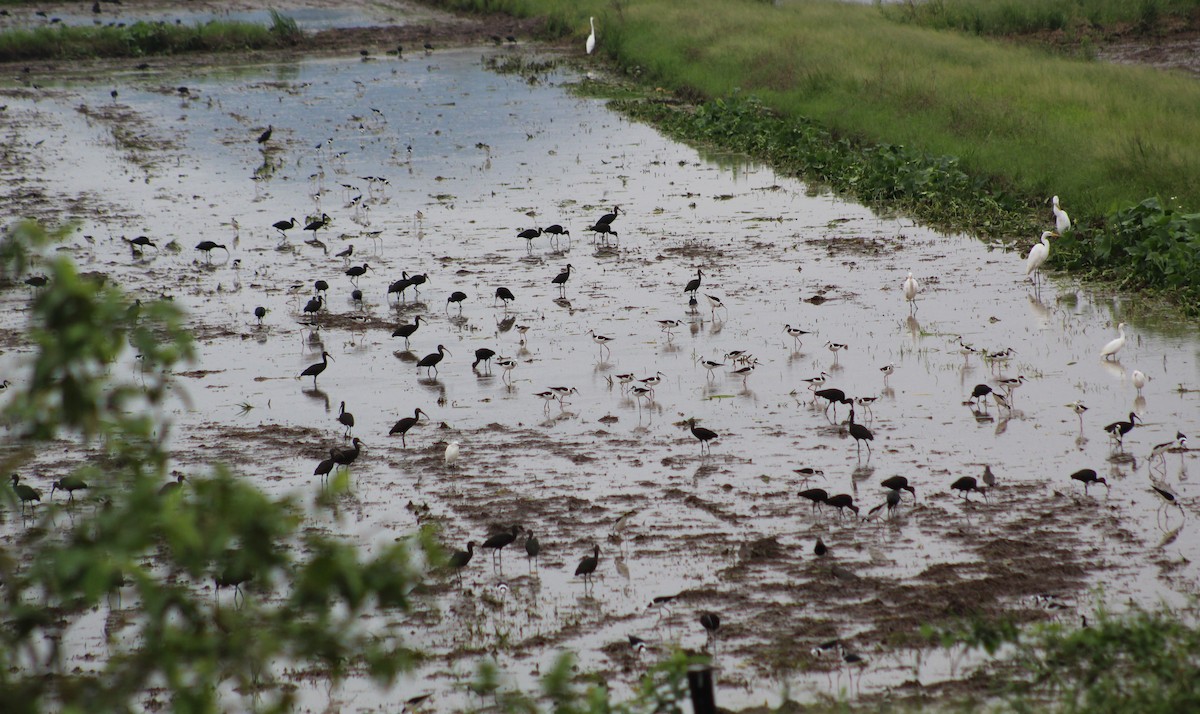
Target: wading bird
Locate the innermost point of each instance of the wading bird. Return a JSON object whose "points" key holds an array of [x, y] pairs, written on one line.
{"points": [[587, 566], [818, 496], [346, 419], [406, 331], [561, 280], [1087, 477], [497, 542], [841, 502], [450, 458], [1112, 348], [266, 135], [966, 485], [899, 483], [1062, 222], [835, 347], [284, 226], [1038, 255], [504, 294], [693, 284], [315, 369], [430, 361], [591, 40], [911, 288], [206, 247], [796, 334], [71, 484], [27, 494], [1118, 429], [1139, 379], [704, 435], [484, 355], [401, 427]]}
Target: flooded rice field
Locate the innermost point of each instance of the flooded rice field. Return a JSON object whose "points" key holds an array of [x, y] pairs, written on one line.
{"points": [[431, 165]]}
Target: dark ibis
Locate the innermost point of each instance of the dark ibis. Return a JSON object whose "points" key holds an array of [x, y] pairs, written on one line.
{"points": [[457, 298], [966, 485], [206, 247], [818, 496], [29, 494], [1118, 429], [314, 306], [141, 242], [398, 287], [284, 226], [459, 559], [556, 232], [415, 281], [321, 286], [711, 622], [561, 280], [266, 135], [898, 483], [356, 296], [832, 396], [861, 434], [260, 312], [604, 229], [820, 549], [357, 271], [484, 355], [233, 575], [430, 361], [841, 502], [172, 486], [70, 484], [325, 466], [1087, 477], [704, 435], [587, 565], [504, 294], [608, 218], [315, 369], [496, 543], [693, 284], [318, 223], [406, 331], [346, 419], [529, 234], [980, 391], [37, 281], [401, 427], [532, 547], [343, 456]]}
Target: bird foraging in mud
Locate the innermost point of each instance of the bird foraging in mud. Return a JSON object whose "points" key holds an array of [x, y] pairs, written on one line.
{"points": [[965, 485], [401, 427], [318, 368], [207, 246], [1087, 477], [497, 542], [459, 559], [346, 419], [704, 435], [430, 361]]}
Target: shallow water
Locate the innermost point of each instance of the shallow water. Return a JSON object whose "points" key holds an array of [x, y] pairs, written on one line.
{"points": [[493, 154]]}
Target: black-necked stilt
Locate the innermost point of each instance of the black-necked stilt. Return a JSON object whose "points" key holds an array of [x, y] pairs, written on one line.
{"points": [[1112, 348], [284, 226], [861, 434], [693, 284], [796, 334], [744, 372], [561, 280], [1010, 384], [669, 325], [640, 392], [911, 288], [715, 303], [504, 294], [887, 371], [818, 496], [508, 365], [547, 397], [1087, 477], [430, 361], [637, 644], [965, 485], [835, 347], [710, 365], [704, 435], [205, 246], [1079, 409], [965, 350], [497, 542], [841, 502], [522, 330], [1002, 400], [1160, 450], [602, 341], [457, 297], [562, 393], [653, 380], [315, 369], [1168, 496], [406, 331], [484, 355], [587, 566], [1118, 429], [346, 419], [817, 381], [401, 427], [624, 379], [807, 473]]}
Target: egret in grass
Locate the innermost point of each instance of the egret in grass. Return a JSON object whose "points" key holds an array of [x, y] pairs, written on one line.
{"points": [[911, 288], [1062, 222], [591, 40], [1113, 347], [1038, 255]]}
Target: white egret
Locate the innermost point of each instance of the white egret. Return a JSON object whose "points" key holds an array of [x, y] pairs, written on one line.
{"points": [[1038, 255], [1139, 379], [1062, 222], [591, 40], [1113, 347], [911, 288], [452, 450]]}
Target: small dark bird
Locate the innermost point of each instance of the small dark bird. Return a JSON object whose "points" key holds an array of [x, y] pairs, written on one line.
{"points": [[357, 271], [693, 284], [704, 435], [532, 547], [314, 306], [497, 542], [70, 484], [966, 485], [431, 360], [349, 251], [260, 312], [357, 296], [206, 247], [556, 231], [346, 419], [401, 427], [284, 226], [266, 135], [504, 294], [321, 286], [325, 466], [820, 549], [459, 558], [141, 242], [861, 434], [457, 297], [406, 331], [561, 279], [842, 501], [818, 496], [529, 234], [587, 566], [483, 354], [315, 369], [1087, 477], [898, 483], [318, 224], [29, 494], [37, 281], [980, 391], [711, 622]]}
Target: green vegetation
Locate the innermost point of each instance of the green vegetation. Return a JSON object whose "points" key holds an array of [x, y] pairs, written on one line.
{"points": [[1077, 17], [1142, 661], [143, 38], [1024, 121]]}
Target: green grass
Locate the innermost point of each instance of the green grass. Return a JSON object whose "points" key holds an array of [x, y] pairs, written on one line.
{"points": [[1005, 17], [138, 39]]}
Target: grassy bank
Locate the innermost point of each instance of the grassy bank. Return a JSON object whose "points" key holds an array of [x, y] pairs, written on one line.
{"points": [[1007, 17], [1023, 121], [56, 42]]}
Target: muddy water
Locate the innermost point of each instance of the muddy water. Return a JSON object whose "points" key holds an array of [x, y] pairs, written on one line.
{"points": [[308, 15], [494, 154]]}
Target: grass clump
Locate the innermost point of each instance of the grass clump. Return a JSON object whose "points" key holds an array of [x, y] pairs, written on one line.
{"points": [[1011, 17], [139, 39]]}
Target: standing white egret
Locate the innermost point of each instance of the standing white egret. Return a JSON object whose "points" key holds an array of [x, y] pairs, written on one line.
{"points": [[452, 453], [1112, 348], [1038, 255], [1139, 379], [1062, 222], [591, 40], [911, 288]]}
